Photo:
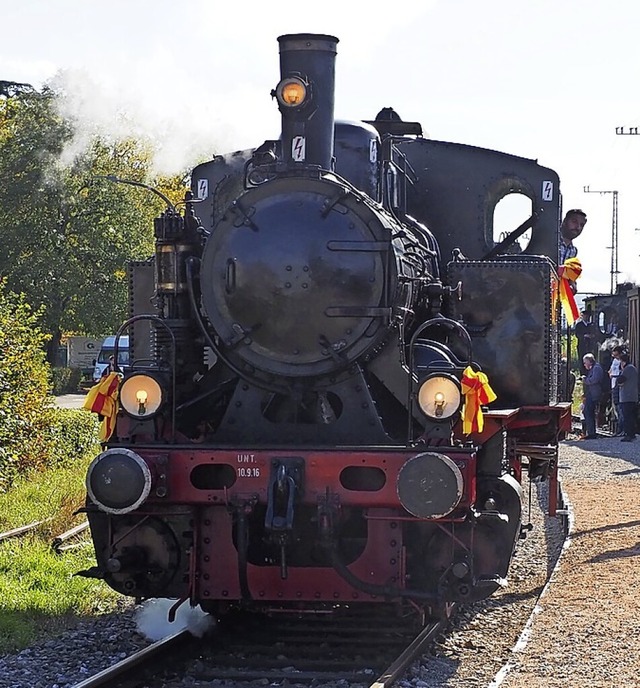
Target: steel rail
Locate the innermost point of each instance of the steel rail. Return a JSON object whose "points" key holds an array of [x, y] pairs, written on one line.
{"points": [[75, 545], [72, 532], [134, 661], [417, 647], [22, 529]]}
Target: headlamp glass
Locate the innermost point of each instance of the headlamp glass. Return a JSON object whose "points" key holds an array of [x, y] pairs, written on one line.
{"points": [[291, 92], [141, 395], [439, 397], [118, 481]]}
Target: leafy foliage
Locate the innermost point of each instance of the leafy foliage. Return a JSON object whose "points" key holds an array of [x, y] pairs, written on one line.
{"points": [[33, 434], [65, 380], [68, 232], [24, 383], [70, 434]]}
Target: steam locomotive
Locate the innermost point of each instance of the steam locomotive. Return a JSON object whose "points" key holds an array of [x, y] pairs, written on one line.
{"points": [[305, 423]]}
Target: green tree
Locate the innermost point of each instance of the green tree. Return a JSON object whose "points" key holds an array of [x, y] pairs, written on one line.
{"points": [[67, 232]]}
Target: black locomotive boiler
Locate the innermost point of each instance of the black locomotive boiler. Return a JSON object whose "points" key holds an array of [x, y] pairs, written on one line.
{"points": [[305, 422]]}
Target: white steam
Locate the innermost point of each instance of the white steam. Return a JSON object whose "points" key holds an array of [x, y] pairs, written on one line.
{"points": [[182, 123], [152, 619]]}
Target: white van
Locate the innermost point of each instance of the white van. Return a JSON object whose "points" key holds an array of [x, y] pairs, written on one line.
{"points": [[107, 349]]}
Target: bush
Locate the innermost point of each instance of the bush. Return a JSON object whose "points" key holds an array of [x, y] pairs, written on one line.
{"points": [[65, 435], [70, 435], [33, 435], [24, 383], [65, 380]]}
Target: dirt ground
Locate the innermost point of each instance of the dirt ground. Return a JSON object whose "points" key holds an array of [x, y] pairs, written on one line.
{"points": [[586, 631]]}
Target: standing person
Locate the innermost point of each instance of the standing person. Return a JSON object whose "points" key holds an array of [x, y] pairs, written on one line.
{"points": [[628, 384], [592, 384], [111, 367], [570, 229], [614, 372]]}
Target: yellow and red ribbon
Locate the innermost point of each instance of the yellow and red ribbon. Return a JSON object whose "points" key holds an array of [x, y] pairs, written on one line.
{"points": [[477, 392], [103, 399], [567, 273]]}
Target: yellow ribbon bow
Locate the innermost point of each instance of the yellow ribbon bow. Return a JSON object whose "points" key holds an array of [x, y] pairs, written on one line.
{"points": [[477, 391], [568, 273], [103, 399]]}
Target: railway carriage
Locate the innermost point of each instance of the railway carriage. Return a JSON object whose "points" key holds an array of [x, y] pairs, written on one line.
{"points": [[340, 373]]}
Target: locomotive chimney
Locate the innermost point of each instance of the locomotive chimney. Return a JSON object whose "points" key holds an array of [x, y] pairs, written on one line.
{"points": [[305, 97]]}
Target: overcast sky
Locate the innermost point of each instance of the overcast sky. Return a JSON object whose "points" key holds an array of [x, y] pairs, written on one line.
{"points": [[545, 79]]}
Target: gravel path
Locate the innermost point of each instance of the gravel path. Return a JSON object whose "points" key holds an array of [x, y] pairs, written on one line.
{"points": [[587, 629], [585, 621]]}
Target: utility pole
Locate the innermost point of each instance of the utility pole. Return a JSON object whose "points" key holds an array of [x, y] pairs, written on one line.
{"points": [[614, 236]]}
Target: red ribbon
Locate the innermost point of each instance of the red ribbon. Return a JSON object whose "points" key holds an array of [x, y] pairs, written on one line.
{"points": [[568, 273], [477, 392], [103, 399]]}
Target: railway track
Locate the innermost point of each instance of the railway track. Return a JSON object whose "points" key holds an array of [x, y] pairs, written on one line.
{"points": [[359, 650], [58, 542], [22, 530], [124, 672]]}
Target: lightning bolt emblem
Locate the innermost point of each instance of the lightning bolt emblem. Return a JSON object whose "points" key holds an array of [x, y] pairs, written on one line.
{"points": [[298, 148]]}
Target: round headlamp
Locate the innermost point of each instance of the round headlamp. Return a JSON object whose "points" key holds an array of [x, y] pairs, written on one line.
{"points": [[439, 397], [291, 92], [141, 395], [430, 485], [118, 481]]}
